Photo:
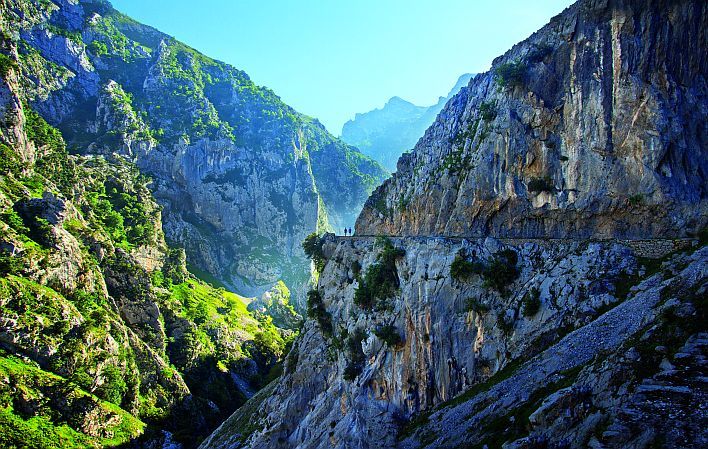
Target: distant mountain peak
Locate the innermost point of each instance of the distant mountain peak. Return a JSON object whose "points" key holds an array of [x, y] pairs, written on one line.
{"points": [[384, 134], [398, 100]]}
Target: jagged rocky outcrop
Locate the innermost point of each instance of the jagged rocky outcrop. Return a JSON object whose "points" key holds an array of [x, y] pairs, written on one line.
{"points": [[242, 177], [513, 304], [384, 134], [470, 356], [594, 123], [275, 303], [105, 338]]}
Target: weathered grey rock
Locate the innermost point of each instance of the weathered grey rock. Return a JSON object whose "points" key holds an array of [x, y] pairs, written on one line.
{"points": [[242, 177], [447, 348], [615, 120], [606, 119]]}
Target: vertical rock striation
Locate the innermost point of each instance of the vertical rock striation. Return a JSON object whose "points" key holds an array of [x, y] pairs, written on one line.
{"points": [[242, 177], [504, 310], [468, 354], [594, 123]]}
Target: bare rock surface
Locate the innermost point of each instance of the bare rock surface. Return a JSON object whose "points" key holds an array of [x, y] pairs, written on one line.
{"points": [[589, 127]]}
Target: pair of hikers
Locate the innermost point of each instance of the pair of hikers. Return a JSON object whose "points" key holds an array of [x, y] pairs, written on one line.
{"points": [[347, 231]]}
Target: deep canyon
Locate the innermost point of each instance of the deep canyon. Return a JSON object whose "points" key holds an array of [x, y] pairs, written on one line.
{"points": [[533, 273]]}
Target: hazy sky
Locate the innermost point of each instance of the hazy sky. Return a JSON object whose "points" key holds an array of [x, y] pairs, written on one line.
{"points": [[332, 58]]}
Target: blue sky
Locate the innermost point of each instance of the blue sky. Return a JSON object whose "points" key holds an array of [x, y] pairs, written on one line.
{"points": [[331, 58]]}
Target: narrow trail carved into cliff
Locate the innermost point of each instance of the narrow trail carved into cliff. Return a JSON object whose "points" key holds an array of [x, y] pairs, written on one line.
{"points": [[654, 248]]}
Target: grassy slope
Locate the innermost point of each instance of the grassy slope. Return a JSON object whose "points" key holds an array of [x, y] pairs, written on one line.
{"points": [[73, 373]]}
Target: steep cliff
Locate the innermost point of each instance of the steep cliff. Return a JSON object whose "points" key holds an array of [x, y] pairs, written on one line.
{"points": [[533, 291], [105, 338], [242, 177], [566, 328], [594, 123], [384, 134]]}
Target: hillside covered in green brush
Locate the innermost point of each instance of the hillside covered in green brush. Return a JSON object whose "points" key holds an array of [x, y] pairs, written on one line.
{"points": [[242, 177], [126, 158], [104, 334]]}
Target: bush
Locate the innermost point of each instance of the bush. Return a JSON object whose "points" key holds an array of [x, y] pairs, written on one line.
{"points": [[317, 311], [13, 220], [6, 64], [9, 161], [351, 372], [511, 74], [532, 302], [462, 268], [292, 359], [175, 267], [269, 344], [356, 355], [497, 274], [98, 48], [139, 228], [41, 232], [488, 110], [356, 268], [544, 184], [506, 324], [60, 168], [42, 133], [389, 334], [114, 387], [636, 200], [312, 245], [474, 305], [86, 302], [381, 279], [10, 264], [124, 216], [502, 270]]}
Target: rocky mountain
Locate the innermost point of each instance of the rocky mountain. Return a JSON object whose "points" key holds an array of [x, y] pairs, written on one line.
{"points": [[570, 344], [545, 277], [241, 177], [384, 134], [587, 128], [121, 148], [105, 338]]}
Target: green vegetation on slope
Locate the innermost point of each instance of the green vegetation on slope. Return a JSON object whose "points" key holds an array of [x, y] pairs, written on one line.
{"points": [[498, 272], [40, 410], [108, 328], [380, 281]]}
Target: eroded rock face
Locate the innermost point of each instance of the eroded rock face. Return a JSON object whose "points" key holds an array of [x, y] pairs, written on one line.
{"points": [[243, 178], [454, 334], [599, 130], [596, 130]]}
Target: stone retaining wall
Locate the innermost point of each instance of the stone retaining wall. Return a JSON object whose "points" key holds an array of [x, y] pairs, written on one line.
{"points": [[656, 249]]}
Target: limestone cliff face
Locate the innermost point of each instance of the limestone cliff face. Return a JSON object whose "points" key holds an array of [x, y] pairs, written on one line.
{"points": [[462, 334], [463, 337], [105, 338], [242, 177], [589, 127]]}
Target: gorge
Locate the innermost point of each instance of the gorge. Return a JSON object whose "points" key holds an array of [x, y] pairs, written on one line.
{"points": [[532, 275]]}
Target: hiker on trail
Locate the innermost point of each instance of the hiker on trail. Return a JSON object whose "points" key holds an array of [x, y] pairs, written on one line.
{"points": [[345, 232], [350, 231]]}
